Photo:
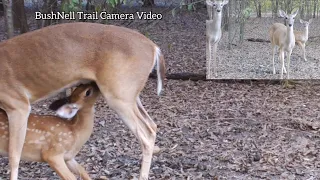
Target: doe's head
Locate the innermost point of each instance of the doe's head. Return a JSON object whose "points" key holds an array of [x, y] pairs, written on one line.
{"points": [[83, 97], [288, 18], [217, 5]]}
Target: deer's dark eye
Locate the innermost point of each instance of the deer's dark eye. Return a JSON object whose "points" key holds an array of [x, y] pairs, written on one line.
{"points": [[89, 92], [286, 18]]}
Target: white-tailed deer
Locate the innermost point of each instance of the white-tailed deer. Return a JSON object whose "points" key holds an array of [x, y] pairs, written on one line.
{"points": [[44, 62], [302, 36], [57, 141], [283, 37], [213, 33]]}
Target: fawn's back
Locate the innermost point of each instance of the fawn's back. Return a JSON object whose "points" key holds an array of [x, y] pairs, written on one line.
{"points": [[43, 133]]}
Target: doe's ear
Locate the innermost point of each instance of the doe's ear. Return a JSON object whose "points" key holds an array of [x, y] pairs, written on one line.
{"points": [[209, 2], [295, 13], [55, 105], [225, 2], [282, 13], [67, 111]]}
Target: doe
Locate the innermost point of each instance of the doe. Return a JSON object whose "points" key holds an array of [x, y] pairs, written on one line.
{"points": [[283, 37], [213, 33]]}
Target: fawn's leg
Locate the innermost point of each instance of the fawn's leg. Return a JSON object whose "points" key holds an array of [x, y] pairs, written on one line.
{"points": [[77, 169]]}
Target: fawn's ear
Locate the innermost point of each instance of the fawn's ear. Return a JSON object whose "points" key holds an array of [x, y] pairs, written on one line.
{"points": [[67, 111], [55, 105]]}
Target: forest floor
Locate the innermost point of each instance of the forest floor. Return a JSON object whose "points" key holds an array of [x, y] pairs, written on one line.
{"points": [[208, 129]]}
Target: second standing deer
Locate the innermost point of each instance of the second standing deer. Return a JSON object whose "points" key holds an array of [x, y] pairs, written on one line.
{"points": [[302, 36], [213, 33], [57, 141], [283, 37]]}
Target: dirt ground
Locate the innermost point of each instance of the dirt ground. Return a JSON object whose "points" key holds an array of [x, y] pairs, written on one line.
{"points": [[207, 129]]}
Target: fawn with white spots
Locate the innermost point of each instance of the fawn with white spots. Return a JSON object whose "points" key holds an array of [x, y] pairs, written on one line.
{"points": [[55, 140]]}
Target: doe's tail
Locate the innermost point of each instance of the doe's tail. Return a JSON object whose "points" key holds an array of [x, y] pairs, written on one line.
{"points": [[161, 69]]}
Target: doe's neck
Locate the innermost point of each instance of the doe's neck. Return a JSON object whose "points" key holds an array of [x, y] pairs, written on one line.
{"points": [[290, 35], [217, 17]]}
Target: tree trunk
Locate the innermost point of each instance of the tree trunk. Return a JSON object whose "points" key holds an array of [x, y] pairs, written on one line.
{"points": [[301, 9], [148, 3], [1, 7], [9, 19], [257, 4], [19, 16], [314, 8], [242, 21], [230, 26], [277, 6], [226, 19], [259, 9]]}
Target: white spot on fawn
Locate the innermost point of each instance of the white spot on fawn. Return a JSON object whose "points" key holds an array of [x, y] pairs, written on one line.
{"points": [[52, 128], [42, 138]]}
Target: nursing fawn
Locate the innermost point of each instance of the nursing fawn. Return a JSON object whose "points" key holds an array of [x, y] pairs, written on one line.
{"points": [[55, 140]]}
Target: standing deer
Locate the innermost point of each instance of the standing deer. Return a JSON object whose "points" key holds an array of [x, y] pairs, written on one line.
{"points": [[44, 62], [302, 36], [283, 37], [213, 33], [57, 141]]}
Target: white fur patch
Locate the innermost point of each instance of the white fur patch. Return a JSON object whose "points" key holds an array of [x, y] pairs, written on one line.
{"points": [[67, 111], [157, 62]]}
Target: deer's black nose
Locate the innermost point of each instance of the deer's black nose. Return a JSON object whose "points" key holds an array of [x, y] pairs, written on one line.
{"points": [[290, 25], [218, 10]]}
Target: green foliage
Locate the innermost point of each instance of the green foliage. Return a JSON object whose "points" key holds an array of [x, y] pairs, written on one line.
{"points": [[190, 6], [247, 12], [74, 5]]}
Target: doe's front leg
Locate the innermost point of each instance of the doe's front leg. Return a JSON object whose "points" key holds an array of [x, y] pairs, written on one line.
{"points": [[18, 120]]}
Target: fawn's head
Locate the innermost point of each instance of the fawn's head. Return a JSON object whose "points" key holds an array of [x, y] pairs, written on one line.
{"points": [[288, 18], [84, 96], [217, 5], [305, 23]]}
